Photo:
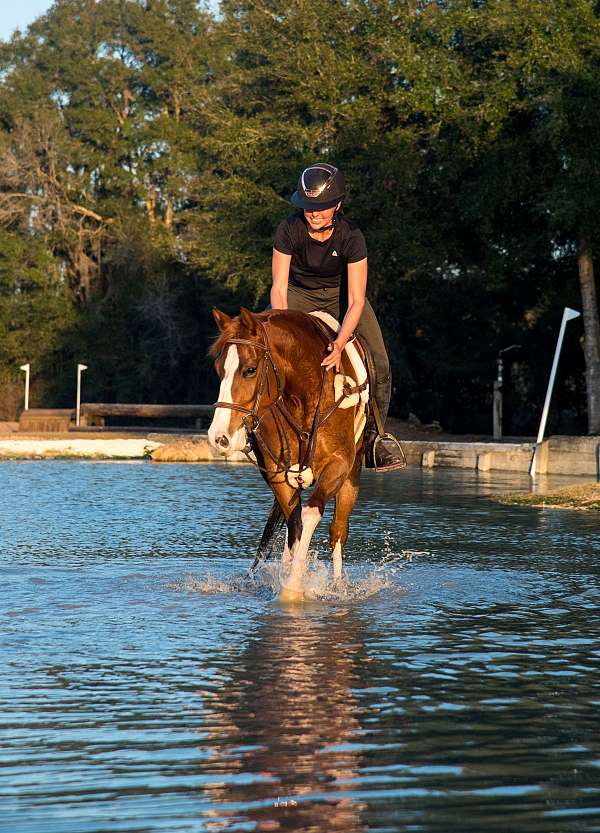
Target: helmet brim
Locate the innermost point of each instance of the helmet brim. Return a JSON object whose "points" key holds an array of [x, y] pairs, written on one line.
{"points": [[314, 205]]}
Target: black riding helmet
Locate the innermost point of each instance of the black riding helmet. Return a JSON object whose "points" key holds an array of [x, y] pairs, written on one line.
{"points": [[320, 186]]}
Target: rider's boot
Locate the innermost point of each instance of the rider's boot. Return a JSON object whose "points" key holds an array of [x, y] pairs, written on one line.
{"points": [[383, 454]]}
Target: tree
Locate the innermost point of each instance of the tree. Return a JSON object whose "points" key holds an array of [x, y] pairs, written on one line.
{"points": [[531, 71], [36, 313], [150, 150]]}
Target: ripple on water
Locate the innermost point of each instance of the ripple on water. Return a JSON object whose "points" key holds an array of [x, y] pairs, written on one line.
{"points": [[451, 683]]}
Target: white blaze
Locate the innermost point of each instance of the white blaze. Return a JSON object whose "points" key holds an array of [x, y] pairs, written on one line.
{"points": [[220, 423]]}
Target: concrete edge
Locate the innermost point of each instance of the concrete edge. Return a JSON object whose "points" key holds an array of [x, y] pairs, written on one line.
{"points": [[557, 455]]}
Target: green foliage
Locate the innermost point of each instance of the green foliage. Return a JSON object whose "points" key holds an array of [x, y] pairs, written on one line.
{"points": [[148, 151], [36, 314]]}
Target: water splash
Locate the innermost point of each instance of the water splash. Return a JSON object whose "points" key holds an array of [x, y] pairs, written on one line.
{"points": [[358, 583]]}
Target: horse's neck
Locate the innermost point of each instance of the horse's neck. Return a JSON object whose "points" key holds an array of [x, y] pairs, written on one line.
{"points": [[292, 349]]}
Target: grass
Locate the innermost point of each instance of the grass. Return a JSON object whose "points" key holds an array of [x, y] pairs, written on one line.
{"points": [[585, 497]]}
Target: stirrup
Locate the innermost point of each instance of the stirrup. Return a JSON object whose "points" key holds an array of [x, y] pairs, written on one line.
{"points": [[401, 464]]}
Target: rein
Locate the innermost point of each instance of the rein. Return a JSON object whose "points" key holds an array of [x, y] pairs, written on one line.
{"points": [[307, 440]]}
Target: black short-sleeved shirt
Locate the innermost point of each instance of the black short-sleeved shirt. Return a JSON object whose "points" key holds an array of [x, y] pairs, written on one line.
{"points": [[316, 265]]}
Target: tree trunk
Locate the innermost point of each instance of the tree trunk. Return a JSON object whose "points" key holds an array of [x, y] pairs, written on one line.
{"points": [[151, 207], [169, 213], [591, 324]]}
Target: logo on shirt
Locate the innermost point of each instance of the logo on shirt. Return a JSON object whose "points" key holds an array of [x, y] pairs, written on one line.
{"points": [[334, 253]]}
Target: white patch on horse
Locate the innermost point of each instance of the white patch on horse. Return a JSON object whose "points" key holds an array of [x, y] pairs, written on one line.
{"points": [[337, 560], [310, 520], [220, 422], [286, 559]]}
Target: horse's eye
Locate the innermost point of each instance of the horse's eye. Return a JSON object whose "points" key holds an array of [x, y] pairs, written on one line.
{"points": [[248, 372]]}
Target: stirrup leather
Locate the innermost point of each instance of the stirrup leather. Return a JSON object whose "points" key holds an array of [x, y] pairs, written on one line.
{"points": [[401, 464]]}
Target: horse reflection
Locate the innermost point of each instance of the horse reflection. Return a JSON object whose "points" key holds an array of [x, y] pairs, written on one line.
{"points": [[288, 718]]}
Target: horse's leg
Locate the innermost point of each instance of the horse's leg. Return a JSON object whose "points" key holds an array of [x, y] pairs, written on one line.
{"points": [[294, 533], [328, 484], [287, 499], [344, 504], [272, 527]]}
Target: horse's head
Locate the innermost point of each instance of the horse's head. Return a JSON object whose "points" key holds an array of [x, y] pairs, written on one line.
{"points": [[246, 379]]}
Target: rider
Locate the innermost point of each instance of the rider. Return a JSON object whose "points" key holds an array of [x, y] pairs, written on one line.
{"points": [[320, 263]]}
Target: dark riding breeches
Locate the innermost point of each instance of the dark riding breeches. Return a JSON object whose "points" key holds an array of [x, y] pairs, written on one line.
{"points": [[328, 300]]}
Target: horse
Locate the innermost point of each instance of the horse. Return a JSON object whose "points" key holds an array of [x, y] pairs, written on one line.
{"points": [[302, 424]]}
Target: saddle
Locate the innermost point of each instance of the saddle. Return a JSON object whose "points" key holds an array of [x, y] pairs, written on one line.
{"points": [[327, 325]]}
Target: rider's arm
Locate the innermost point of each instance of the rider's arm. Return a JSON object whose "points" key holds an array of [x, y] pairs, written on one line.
{"points": [[280, 269], [357, 288]]}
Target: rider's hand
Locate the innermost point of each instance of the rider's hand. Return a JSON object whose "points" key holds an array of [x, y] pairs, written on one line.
{"points": [[334, 359]]}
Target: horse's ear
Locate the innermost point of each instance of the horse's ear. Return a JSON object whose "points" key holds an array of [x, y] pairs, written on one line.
{"points": [[222, 320], [248, 321]]}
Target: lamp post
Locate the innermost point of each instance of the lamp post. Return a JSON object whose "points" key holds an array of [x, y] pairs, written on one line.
{"points": [[80, 369], [26, 368], [568, 315], [497, 400]]}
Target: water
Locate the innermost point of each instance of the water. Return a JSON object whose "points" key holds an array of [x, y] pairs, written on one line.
{"points": [[453, 685]]}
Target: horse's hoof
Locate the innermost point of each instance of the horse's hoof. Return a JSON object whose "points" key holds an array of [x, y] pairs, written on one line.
{"points": [[340, 584], [289, 596]]}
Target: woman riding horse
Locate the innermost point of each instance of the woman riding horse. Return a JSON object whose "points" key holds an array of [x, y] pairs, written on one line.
{"points": [[320, 263], [304, 425]]}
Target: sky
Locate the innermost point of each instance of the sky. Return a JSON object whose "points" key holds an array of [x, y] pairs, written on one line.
{"points": [[19, 14]]}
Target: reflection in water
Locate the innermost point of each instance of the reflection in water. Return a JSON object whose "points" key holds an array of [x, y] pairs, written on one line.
{"points": [[290, 696], [463, 698]]}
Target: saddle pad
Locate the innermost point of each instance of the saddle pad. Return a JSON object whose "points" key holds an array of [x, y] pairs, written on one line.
{"points": [[339, 380], [360, 371]]}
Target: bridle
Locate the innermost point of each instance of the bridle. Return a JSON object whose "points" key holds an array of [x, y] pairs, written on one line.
{"points": [[251, 420], [307, 440]]}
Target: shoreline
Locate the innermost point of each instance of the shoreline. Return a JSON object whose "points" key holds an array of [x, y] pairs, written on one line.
{"points": [[558, 455]]}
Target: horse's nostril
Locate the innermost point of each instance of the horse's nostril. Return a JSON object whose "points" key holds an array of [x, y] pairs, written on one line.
{"points": [[223, 440]]}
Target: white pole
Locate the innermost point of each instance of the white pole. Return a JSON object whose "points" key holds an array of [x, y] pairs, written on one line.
{"points": [[80, 369], [26, 368], [568, 315]]}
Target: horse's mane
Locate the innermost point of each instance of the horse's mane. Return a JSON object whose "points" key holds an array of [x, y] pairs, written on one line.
{"points": [[237, 329]]}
